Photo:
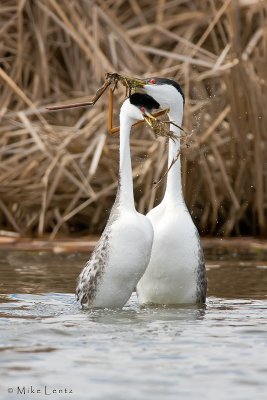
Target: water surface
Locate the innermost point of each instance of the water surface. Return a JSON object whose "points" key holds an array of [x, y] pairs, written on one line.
{"points": [[48, 343]]}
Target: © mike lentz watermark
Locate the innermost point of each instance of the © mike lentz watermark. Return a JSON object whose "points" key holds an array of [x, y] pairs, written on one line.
{"points": [[45, 390]]}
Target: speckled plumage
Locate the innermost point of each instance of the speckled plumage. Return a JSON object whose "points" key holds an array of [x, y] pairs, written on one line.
{"points": [[201, 290], [90, 277]]}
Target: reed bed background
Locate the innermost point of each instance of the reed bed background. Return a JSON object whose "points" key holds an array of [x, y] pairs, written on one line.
{"points": [[58, 171]]}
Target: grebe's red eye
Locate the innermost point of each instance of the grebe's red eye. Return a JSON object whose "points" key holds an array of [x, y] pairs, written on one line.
{"points": [[142, 109], [153, 81]]}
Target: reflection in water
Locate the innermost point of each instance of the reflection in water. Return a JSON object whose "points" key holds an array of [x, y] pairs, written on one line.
{"points": [[238, 280], [37, 272], [214, 352], [33, 272]]}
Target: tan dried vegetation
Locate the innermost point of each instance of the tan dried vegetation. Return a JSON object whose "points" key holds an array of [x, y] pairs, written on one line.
{"points": [[58, 171]]}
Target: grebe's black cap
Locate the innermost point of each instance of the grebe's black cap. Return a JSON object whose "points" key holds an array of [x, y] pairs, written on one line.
{"points": [[144, 100]]}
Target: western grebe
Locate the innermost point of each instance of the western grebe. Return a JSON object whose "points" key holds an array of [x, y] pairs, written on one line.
{"points": [[123, 251], [176, 271]]}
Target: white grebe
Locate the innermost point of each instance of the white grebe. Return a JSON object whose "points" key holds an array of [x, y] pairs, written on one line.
{"points": [[123, 251], [176, 271]]}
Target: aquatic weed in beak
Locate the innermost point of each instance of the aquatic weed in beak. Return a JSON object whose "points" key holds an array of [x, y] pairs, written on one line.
{"points": [[160, 128]]}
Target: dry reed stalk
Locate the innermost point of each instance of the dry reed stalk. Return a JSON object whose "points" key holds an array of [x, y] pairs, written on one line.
{"points": [[58, 171]]}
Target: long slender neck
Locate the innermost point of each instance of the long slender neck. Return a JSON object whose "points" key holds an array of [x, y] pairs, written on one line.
{"points": [[126, 197], [174, 190]]}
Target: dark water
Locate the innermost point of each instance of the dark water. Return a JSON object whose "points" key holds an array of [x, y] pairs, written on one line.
{"points": [[48, 343]]}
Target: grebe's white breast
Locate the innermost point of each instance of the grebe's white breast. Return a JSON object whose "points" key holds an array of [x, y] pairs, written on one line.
{"points": [[118, 262], [175, 272]]}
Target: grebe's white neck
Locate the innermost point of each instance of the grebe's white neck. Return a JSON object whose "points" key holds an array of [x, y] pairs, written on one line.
{"points": [[174, 190], [126, 197]]}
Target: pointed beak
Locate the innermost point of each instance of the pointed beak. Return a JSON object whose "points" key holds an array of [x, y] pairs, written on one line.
{"points": [[149, 118]]}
